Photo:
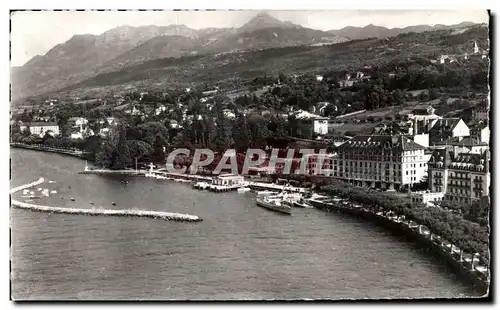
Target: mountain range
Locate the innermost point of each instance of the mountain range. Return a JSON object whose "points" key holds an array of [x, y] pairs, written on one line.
{"points": [[85, 56], [372, 31]]}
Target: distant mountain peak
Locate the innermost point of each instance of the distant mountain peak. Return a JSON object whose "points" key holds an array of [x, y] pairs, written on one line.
{"points": [[264, 20]]}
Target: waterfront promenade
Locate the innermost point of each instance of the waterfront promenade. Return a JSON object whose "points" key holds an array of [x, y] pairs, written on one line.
{"points": [[39, 147], [465, 264]]}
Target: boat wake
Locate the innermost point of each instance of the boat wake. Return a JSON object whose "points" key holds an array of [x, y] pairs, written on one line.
{"points": [[96, 212]]}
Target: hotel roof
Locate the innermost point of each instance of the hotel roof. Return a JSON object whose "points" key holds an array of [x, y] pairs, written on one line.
{"points": [[397, 142]]}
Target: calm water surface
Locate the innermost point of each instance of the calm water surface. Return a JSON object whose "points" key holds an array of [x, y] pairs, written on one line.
{"points": [[239, 251]]}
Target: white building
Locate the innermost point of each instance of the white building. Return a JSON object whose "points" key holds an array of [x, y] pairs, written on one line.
{"points": [[319, 123], [78, 121], [42, 128], [104, 132], [422, 139], [423, 119], [426, 197], [382, 161], [160, 109], [228, 180], [110, 120]]}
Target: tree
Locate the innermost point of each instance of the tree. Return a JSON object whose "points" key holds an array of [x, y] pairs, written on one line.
{"points": [[241, 136], [104, 154], [122, 159], [26, 132]]}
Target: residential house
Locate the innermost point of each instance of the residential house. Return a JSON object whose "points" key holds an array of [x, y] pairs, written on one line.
{"points": [[481, 112]]}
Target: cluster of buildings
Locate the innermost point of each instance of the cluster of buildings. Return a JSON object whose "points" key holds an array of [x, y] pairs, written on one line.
{"points": [[452, 156], [79, 128]]}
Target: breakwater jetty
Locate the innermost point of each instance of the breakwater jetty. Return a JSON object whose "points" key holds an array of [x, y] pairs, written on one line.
{"points": [[39, 147], [109, 171], [466, 265], [99, 211]]}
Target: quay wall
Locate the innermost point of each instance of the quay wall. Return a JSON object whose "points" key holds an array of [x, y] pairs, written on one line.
{"points": [[402, 228], [95, 212]]}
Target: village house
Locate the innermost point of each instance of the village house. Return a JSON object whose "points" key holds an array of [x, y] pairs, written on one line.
{"points": [[78, 121], [81, 133], [319, 123]]}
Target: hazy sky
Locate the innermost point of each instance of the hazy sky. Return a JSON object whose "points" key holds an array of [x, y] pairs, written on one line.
{"points": [[35, 33]]}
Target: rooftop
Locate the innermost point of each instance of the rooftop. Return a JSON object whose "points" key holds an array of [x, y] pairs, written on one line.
{"points": [[397, 142], [42, 124]]}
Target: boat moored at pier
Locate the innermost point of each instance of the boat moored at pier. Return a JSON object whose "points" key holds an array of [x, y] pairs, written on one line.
{"points": [[274, 204]]}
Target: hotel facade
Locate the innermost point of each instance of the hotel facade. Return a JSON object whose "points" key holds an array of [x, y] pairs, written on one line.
{"points": [[386, 162], [462, 177]]}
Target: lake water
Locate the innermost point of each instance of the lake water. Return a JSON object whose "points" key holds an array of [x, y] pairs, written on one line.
{"points": [[239, 251]]}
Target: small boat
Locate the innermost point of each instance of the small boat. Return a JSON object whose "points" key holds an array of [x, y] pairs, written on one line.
{"points": [[243, 190], [26, 192], [201, 185], [302, 203], [53, 192], [274, 204], [51, 182], [72, 199], [265, 193]]}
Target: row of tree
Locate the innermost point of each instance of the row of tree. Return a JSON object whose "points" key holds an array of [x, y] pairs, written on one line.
{"points": [[465, 234]]}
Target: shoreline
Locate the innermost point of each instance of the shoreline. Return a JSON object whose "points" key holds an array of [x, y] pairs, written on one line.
{"points": [[403, 228], [415, 232]]}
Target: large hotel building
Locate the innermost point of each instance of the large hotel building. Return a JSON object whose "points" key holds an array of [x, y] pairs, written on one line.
{"points": [[461, 177], [387, 162]]}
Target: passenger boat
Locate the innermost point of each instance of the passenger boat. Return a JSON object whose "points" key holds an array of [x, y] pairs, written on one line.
{"points": [[274, 204]]}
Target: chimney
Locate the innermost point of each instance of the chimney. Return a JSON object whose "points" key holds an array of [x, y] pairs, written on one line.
{"points": [[394, 140], [487, 161]]}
